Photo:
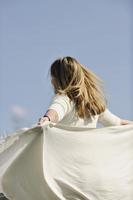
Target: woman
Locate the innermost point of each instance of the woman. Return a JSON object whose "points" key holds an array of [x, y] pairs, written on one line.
{"points": [[79, 99]]}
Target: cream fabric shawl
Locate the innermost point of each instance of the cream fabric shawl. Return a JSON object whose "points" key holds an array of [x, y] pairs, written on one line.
{"points": [[57, 162]]}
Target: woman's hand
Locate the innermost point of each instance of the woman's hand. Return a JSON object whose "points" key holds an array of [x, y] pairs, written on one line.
{"points": [[125, 122], [42, 121], [52, 116]]}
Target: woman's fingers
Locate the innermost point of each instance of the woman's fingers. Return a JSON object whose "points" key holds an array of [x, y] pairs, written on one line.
{"points": [[125, 122], [129, 122], [42, 120]]}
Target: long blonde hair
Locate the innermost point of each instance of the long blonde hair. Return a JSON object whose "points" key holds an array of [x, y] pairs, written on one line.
{"points": [[80, 84]]}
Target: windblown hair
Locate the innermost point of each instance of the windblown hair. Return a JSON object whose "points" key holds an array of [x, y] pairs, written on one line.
{"points": [[80, 84]]}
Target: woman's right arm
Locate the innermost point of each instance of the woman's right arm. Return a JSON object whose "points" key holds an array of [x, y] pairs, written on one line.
{"points": [[124, 122], [109, 119]]}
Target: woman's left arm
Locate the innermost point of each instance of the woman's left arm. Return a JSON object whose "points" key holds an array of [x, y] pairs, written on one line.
{"points": [[50, 115], [58, 108]]}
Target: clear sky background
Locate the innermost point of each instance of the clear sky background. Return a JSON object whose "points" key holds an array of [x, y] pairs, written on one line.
{"points": [[34, 33]]}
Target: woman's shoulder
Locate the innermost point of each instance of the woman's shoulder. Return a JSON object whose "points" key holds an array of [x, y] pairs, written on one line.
{"points": [[104, 112], [61, 103], [61, 97]]}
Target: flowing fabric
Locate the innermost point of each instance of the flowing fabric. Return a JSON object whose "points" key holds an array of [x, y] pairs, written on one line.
{"points": [[57, 162]]}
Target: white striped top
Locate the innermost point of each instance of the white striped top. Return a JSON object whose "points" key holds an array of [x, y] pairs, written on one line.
{"points": [[66, 114]]}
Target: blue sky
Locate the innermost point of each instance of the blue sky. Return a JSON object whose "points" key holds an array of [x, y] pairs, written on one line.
{"points": [[34, 33]]}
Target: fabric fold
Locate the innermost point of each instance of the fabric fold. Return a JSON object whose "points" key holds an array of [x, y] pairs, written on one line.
{"points": [[58, 162]]}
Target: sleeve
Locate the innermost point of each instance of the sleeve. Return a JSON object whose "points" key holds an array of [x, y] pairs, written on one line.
{"points": [[109, 119], [60, 103]]}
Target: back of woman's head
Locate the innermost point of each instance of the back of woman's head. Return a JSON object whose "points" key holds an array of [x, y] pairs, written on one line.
{"points": [[80, 84]]}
